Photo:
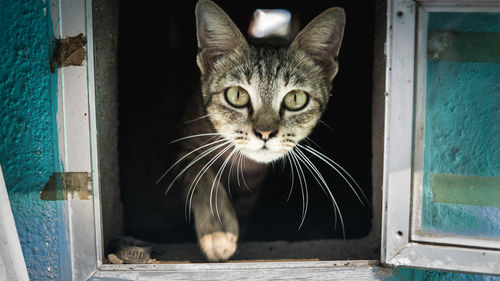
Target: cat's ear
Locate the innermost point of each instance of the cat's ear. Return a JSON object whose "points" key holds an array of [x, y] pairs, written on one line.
{"points": [[217, 34], [321, 39]]}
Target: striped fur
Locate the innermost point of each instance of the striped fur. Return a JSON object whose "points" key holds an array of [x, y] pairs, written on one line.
{"points": [[267, 73], [218, 136]]}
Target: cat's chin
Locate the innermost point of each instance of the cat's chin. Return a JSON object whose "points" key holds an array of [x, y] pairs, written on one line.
{"points": [[263, 155]]}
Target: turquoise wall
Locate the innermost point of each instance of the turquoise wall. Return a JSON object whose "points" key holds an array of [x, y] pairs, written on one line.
{"points": [[462, 124], [406, 274], [28, 143]]}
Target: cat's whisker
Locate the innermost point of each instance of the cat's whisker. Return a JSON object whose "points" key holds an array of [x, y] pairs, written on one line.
{"points": [[326, 125], [242, 174], [309, 140], [217, 179], [303, 187], [198, 177], [283, 164], [197, 136], [186, 155], [235, 157], [238, 168], [334, 165], [196, 159], [242, 168], [304, 159], [322, 183], [196, 119], [293, 177], [211, 138]]}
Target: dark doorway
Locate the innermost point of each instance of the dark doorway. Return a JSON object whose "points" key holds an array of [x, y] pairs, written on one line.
{"points": [[157, 71]]}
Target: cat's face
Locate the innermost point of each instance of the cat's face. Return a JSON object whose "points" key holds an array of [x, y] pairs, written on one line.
{"points": [[265, 100], [269, 101]]}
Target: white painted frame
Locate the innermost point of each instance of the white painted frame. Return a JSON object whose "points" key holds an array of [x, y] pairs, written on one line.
{"points": [[77, 143], [403, 243]]}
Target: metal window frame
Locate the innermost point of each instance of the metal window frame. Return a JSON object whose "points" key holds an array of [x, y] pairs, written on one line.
{"points": [[403, 242], [77, 141]]}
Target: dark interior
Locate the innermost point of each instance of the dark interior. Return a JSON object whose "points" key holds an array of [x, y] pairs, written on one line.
{"points": [[157, 72]]}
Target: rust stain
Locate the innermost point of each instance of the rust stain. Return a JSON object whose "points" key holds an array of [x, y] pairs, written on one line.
{"points": [[60, 185]]}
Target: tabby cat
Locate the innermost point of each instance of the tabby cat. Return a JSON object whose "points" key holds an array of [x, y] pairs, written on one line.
{"points": [[257, 104]]}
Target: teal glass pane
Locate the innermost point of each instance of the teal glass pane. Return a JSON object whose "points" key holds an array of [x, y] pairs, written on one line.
{"points": [[461, 170]]}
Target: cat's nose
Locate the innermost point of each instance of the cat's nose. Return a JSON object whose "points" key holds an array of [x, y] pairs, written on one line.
{"points": [[265, 135]]}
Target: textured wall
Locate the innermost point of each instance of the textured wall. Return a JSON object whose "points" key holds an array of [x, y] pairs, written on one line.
{"points": [[462, 131], [406, 274], [28, 150]]}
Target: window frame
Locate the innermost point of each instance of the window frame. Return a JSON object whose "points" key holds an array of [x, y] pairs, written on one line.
{"points": [[403, 244], [76, 135], [76, 95], [77, 139]]}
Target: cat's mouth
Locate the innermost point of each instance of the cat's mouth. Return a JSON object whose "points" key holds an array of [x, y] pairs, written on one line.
{"points": [[263, 155]]}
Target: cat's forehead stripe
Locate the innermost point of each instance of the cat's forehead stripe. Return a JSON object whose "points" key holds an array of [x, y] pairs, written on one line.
{"points": [[269, 65]]}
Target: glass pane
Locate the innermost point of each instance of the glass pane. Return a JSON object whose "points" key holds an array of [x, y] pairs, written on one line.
{"points": [[461, 171]]}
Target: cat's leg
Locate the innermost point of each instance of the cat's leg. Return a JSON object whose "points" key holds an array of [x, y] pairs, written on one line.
{"points": [[216, 224]]}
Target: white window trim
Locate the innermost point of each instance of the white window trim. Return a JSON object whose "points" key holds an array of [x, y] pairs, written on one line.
{"points": [[74, 140], [403, 243], [76, 129]]}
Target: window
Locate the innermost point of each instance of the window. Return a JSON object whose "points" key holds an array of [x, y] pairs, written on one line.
{"points": [[442, 185]]}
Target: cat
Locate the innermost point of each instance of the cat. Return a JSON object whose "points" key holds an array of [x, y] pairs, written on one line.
{"points": [[257, 104]]}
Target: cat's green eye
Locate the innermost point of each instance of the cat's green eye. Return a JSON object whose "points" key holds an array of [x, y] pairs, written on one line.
{"points": [[237, 97], [295, 100]]}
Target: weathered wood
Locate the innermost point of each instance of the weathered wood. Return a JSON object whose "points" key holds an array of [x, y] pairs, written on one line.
{"points": [[322, 270]]}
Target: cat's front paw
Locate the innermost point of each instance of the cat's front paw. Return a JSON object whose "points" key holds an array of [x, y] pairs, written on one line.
{"points": [[218, 246]]}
